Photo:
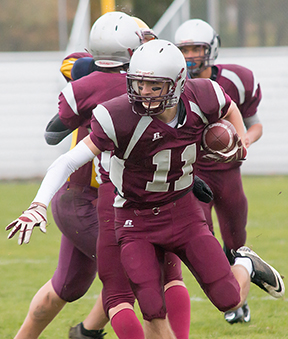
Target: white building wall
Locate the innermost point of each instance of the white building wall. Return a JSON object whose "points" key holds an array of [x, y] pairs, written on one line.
{"points": [[269, 155], [29, 88]]}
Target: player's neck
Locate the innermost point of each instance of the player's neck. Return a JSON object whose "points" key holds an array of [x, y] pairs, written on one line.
{"points": [[206, 74], [168, 115]]}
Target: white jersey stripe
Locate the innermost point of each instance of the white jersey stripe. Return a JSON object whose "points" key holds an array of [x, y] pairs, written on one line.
{"points": [[220, 96], [69, 96], [143, 123], [196, 109], [255, 86], [116, 176], [233, 77], [103, 117]]}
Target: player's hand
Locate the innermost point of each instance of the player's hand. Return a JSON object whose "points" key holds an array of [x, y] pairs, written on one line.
{"points": [[35, 215], [201, 190], [238, 153]]}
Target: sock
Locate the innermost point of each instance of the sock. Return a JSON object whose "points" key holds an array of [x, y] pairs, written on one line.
{"points": [[91, 333], [179, 309], [246, 262], [126, 325]]}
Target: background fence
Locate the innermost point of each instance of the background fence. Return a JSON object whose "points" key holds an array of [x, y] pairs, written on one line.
{"points": [[30, 81]]}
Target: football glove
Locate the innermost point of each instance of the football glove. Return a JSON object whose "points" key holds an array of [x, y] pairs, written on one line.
{"points": [[35, 215], [201, 190], [238, 153]]}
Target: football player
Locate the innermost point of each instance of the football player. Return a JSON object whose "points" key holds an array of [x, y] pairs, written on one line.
{"points": [[199, 44], [176, 295], [155, 133]]}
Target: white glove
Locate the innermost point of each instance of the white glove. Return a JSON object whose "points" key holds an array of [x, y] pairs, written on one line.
{"points": [[35, 215]]}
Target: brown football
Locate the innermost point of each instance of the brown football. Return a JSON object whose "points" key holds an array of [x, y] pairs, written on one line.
{"points": [[219, 136]]}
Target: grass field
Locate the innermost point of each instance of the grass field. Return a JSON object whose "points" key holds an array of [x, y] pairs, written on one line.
{"points": [[24, 269]]}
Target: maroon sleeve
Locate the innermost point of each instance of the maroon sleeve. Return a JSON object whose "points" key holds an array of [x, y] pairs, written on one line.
{"points": [[99, 137]]}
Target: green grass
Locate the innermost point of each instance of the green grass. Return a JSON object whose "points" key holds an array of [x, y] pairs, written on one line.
{"points": [[24, 269]]}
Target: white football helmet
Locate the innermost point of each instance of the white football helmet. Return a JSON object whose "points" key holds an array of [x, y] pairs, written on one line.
{"points": [[113, 38], [198, 32], [160, 61]]}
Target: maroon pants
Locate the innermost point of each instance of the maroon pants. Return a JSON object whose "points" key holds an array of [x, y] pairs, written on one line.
{"points": [[180, 227], [230, 205], [116, 285], [74, 211]]}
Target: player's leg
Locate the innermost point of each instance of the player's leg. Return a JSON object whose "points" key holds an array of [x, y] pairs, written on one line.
{"points": [[74, 210], [232, 208], [140, 261], [177, 297], [45, 305], [158, 329], [143, 263], [118, 298], [227, 287], [74, 274], [209, 179], [93, 325]]}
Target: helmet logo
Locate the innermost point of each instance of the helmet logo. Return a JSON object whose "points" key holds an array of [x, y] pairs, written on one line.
{"points": [[144, 73]]}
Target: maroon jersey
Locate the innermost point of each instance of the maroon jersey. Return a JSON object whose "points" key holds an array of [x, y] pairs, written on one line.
{"points": [[240, 84], [152, 163], [76, 103], [78, 98]]}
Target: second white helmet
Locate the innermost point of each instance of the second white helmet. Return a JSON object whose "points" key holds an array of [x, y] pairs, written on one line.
{"points": [[199, 32], [113, 38]]}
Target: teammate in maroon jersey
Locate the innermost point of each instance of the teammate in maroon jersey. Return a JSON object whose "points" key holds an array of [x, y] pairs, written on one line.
{"points": [[155, 134], [199, 44]]}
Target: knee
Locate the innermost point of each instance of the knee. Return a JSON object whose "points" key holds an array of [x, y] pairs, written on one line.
{"points": [[75, 288], [224, 294], [141, 264], [44, 305]]}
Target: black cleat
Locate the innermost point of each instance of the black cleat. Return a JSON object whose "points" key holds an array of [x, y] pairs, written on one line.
{"points": [[240, 315], [76, 333], [246, 311], [263, 275], [233, 317]]}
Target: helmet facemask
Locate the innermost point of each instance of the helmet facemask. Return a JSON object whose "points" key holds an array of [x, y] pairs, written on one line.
{"points": [[151, 105], [202, 60]]}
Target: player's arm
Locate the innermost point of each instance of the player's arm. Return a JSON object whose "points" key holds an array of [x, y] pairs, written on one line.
{"points": [[56, 131], [56, 176], [234, 116], [254, 129]]}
